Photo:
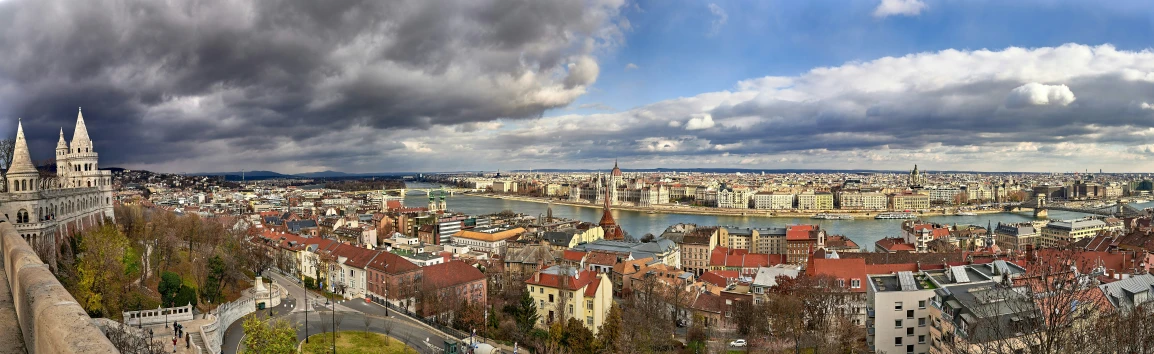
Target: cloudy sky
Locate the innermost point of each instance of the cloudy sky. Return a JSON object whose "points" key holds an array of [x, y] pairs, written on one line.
{"points": [[446, 85]]}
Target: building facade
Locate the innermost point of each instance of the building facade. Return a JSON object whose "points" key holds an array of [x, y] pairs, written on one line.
{"points": [[46, 210]]}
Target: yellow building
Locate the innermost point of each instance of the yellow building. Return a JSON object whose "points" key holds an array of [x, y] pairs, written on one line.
{"points": [[910, 201], [562, 293]]}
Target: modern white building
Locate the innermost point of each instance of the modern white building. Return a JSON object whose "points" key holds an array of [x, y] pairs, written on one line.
{"points": [[900, 308]]}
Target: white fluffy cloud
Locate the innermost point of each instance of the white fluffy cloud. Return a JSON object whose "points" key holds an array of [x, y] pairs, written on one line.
{"points": [[890, 112], [899, 7], [631, 66], [1035, 94], [699, 122]]}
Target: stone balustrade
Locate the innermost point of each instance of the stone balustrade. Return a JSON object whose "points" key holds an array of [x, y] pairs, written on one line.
{"points": [[158, 316], [50, 319]]}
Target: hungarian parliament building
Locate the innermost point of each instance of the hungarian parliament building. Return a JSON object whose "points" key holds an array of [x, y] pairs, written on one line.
{"points": [[44, 208], [634, 192]]}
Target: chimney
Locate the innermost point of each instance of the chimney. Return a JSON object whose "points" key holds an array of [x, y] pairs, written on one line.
{"points": [[537, 277]]}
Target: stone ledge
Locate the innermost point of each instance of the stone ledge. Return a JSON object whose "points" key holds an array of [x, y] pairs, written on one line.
{"points": [[49, 318]]}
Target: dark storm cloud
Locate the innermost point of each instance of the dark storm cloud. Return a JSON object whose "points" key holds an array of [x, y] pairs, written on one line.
{"points": [[161, 80]]}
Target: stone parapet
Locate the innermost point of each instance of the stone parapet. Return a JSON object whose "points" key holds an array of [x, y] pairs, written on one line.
{"points": [[50, 319]]}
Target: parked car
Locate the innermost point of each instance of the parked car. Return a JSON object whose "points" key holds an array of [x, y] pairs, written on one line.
{"points": [[737, 343]]}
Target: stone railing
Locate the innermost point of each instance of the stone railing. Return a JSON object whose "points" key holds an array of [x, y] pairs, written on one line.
{"points": [[158, 316], [51, 320]]}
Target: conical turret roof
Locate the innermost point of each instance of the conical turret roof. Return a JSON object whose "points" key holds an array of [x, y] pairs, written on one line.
{"points": [[61, 144], [21, 159], [80, 136]]}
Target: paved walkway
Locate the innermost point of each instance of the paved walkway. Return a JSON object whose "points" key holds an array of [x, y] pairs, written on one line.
{"points": [[164, 335], [11, 339]]}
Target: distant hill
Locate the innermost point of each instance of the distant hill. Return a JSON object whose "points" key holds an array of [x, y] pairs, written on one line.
{"points": [[323, 174], [255, 174]]}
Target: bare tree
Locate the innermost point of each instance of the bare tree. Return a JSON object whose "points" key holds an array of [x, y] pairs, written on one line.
{"points": [[7, 147], [128, 342]]}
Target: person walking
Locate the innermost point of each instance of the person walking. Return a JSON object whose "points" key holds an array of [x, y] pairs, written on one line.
{"points": [[186, 341]]}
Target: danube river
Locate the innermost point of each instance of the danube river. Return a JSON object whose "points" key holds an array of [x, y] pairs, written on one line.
{"points": [[637, 224]]}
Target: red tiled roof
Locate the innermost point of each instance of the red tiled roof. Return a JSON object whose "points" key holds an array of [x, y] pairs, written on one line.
{"points": [[798, 232], [574, 256], [723, 257], [451, 273], [601, 258], [845, 269], [707, 302], [386, 262], [894, 244], [393, 204], [719, 277], [585, 277], [591, 290]]}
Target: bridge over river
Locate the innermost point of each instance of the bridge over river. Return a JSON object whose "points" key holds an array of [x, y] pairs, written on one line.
{"points": [[1042, 207]]}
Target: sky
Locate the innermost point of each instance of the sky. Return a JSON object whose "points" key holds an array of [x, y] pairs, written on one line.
{"points": [[462, 85]]}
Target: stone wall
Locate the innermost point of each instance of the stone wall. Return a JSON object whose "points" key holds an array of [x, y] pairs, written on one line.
{"points": [[51, 320]]}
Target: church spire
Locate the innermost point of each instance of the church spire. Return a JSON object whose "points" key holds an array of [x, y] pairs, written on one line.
{"points": [[21, 159], [80, 136], [62, 144]]}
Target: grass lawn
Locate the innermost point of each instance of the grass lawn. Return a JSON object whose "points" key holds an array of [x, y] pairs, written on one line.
{"points": [[355, 342]]}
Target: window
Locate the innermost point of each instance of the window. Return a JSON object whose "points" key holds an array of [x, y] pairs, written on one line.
{"points": [[922, 304], [910, 314], [570, 309], [910, 331], [550, 297], [530, 288], [898, 306], [897, 323], [922, 322], [898, 341], [922, 339], [841, 283], [542, 305], [589, 304], [589, 321], [856, 283], [910, 349]]}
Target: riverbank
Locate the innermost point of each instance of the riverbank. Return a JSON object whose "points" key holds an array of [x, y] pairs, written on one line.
{"points": [[692, 210]]}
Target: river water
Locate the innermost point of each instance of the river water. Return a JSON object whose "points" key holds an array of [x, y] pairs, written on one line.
{"points": [[862, 231]]}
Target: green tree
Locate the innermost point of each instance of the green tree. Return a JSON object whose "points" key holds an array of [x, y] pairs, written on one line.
{"points": [[609, 337], [168, 288], [211, 289], [186, 296], [578, 338], [100, 270], [526, 313], [269, 336]]}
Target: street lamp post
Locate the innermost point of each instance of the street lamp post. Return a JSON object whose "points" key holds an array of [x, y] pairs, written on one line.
{"points": [[334, 327], [306, 315]]}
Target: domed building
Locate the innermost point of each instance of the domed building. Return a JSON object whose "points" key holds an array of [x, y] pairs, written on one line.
{"points": [[45, 209]]}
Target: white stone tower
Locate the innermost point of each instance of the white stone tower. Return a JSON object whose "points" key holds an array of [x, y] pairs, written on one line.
{"points": [[78, 163], [22, 174]]}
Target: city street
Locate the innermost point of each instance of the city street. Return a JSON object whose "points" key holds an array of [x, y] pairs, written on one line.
{"points": [[351, 315]]}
